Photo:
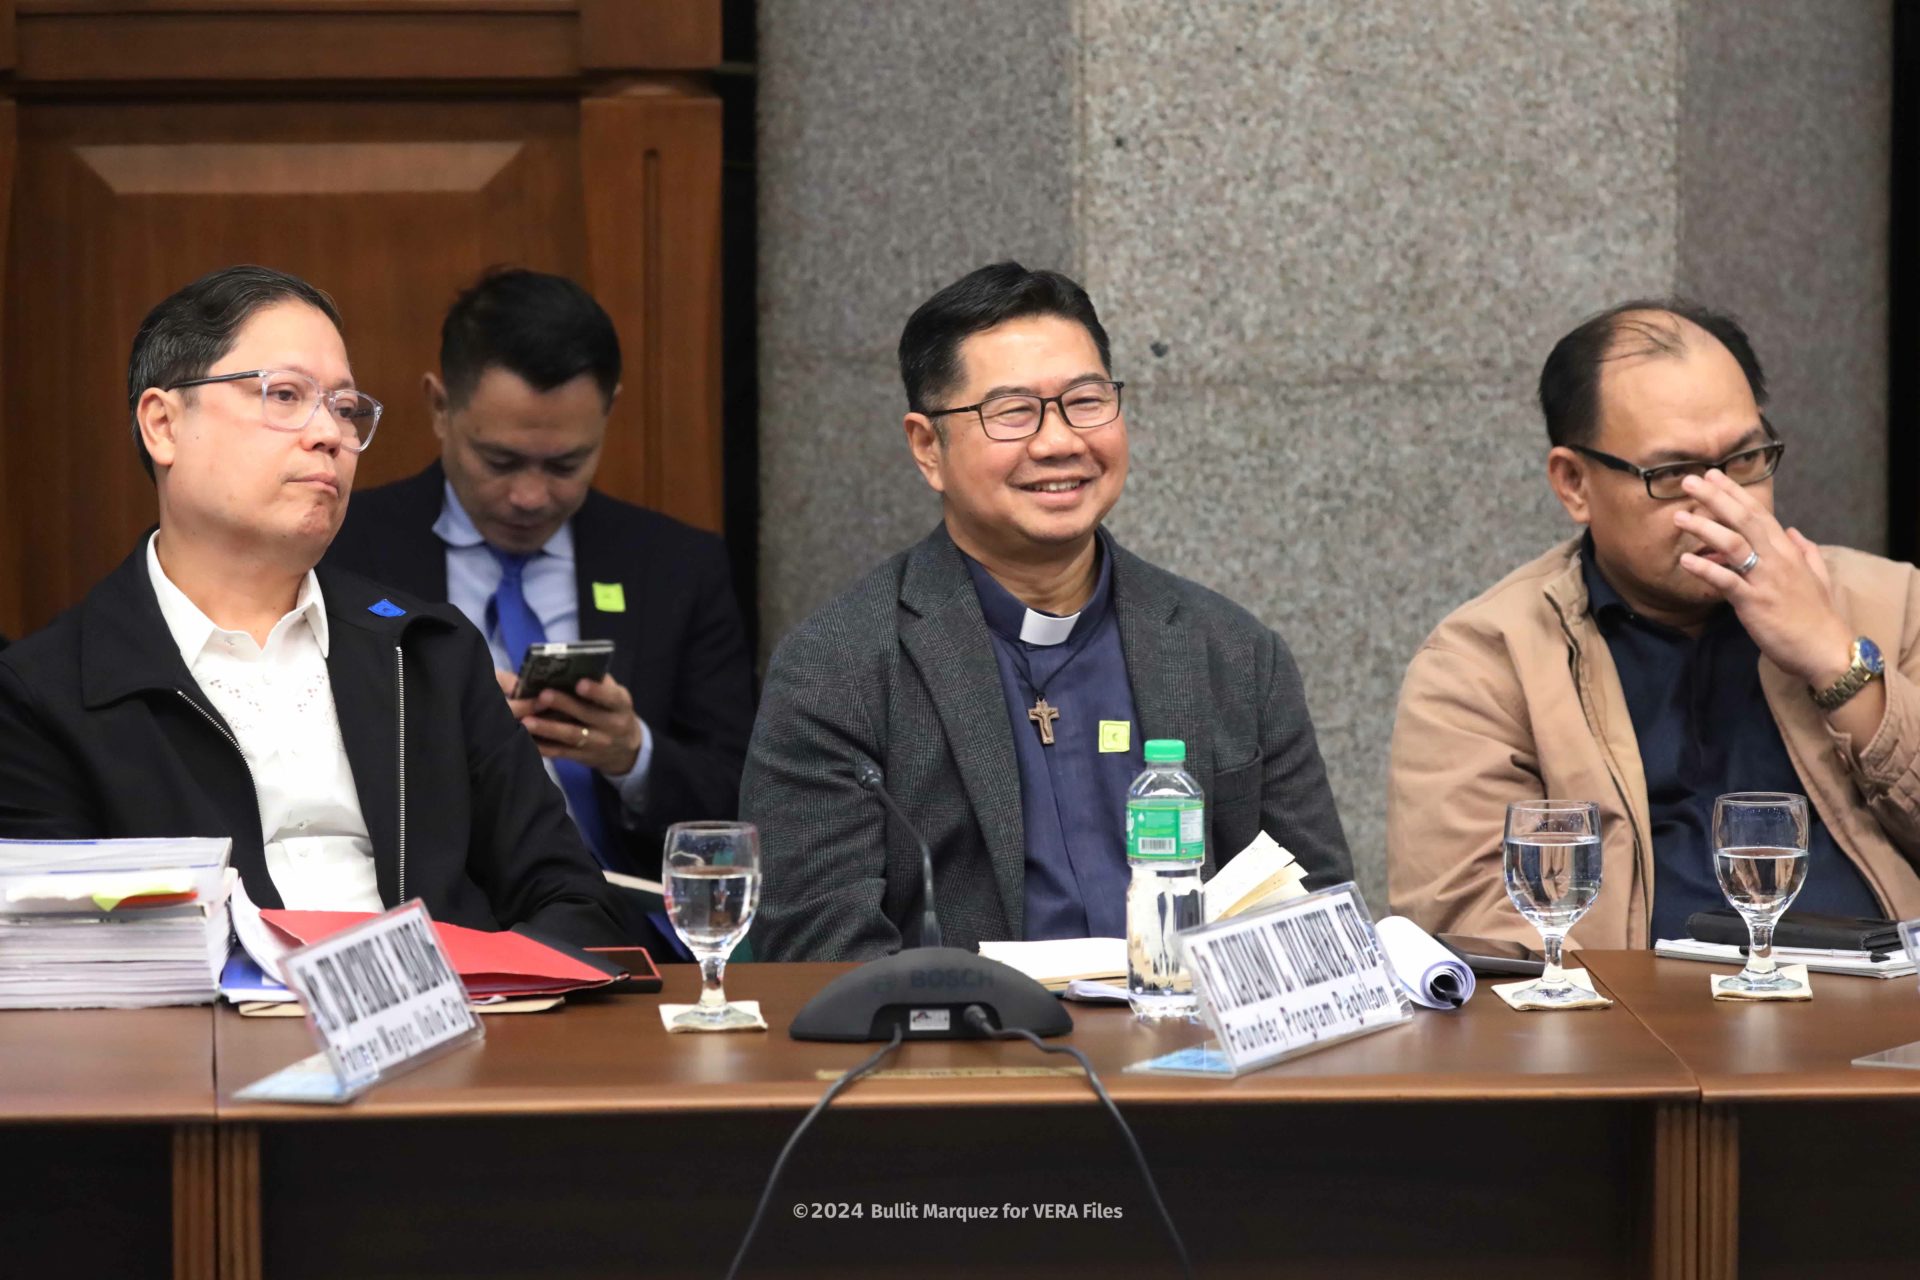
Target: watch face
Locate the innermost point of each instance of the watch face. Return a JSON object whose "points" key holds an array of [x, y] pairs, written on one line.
{"points": [[1870, 656]]}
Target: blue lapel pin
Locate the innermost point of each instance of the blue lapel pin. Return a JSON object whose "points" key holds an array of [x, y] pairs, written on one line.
{"points": [[386, 609]]}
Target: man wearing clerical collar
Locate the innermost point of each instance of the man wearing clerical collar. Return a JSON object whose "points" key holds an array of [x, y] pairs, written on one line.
{"points": [[1004, 672], [1686, 644], [349, 739]]}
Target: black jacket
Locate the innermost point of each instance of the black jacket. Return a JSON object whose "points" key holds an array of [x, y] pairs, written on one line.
{"points": [[679, 645], [104, 733]]}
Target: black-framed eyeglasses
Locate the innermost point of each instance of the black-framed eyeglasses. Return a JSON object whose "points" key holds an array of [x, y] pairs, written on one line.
{"points": [[1664, 483], [289, 398], [1084, 406]]}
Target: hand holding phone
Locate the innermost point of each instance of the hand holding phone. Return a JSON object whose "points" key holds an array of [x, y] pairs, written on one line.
{"points": [[562, 666], [599, 728]]}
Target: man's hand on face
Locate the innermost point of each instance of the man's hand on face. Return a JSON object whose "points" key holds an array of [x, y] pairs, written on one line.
{"points": [[1785, 601], [603, 709]]}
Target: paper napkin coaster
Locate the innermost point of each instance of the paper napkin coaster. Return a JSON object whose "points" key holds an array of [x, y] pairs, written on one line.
{"points": [[1798, 972], [668, 1012], [1511, 993]]}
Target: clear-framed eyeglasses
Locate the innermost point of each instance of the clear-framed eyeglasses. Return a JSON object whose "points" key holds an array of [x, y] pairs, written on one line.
{"points": [[289, 399], [1084, 405]]}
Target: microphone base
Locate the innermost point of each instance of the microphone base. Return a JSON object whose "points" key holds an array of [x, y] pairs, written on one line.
{"points": [[926, 992]]}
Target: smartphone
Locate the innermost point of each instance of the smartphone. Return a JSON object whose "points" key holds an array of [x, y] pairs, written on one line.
{"points": [[562, 665], [1492, 956]]}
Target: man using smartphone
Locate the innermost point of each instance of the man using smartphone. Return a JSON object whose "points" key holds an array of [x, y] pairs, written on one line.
{"points": [[347, 737], [508, 528]]}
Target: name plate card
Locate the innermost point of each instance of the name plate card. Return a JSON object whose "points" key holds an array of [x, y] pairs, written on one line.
{"points": [[1286, 981], [381, 998]]}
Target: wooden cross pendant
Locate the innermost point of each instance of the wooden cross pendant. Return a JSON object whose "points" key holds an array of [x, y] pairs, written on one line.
{"points": [[1044, 716]]}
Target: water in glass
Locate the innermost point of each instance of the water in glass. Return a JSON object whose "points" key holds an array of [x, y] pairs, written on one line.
{"points": [[1552, 863], [1553, 877], [711, 880], [712, 906], [1760, 859]]}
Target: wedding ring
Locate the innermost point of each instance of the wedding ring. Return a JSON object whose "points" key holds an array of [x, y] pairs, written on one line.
{"points": [[1745, 567], [584, 733]]}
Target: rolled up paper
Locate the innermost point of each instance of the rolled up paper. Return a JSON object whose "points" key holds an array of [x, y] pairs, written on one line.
{"points": [[1430, 974]]}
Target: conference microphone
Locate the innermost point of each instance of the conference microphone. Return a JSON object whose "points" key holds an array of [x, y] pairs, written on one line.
{"points": [[924, 992], [869, 777]]}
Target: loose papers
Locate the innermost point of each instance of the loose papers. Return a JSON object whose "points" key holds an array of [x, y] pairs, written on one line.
{"points": [[1262, 874]]}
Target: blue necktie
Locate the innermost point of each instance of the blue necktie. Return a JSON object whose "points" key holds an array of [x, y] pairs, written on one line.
{"points": [[519, 627]]}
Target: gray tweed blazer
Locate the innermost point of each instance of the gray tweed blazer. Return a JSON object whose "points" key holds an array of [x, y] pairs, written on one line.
{"points": [[899, 671]]}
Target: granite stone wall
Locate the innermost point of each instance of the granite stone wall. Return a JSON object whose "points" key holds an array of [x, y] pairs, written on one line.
{"points": [[1332, 243]]}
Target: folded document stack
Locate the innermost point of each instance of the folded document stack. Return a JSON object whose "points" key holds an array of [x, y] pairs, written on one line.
{"points": [[112, 924]]}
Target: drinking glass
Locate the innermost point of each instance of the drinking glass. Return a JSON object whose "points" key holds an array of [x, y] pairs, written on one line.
{"points": [[1760, 858], [711, 876], [1553, 875]]}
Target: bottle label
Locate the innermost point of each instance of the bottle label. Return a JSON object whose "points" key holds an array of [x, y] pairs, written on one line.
{"points": [[1169, 830]]}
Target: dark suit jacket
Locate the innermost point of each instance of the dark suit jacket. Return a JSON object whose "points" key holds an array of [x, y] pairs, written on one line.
{"points": [[899, 671], [679, 647], [104, 733]]}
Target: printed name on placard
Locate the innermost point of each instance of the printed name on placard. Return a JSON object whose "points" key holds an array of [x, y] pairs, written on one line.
{"points": [[381, 994], [1281, 981]]}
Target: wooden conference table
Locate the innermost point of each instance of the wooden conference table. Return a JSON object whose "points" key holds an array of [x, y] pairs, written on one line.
{"points": [[1648, 1139]]}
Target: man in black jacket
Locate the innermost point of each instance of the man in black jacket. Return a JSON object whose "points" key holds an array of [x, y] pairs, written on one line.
{"points": [[507, 527], [349, 739]]}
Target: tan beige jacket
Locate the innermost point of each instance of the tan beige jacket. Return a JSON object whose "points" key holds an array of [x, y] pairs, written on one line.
{"points": [[1515, 696]]}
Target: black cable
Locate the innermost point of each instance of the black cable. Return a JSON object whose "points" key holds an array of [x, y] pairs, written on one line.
{"points": [[773, 1179], [976, 1017]]}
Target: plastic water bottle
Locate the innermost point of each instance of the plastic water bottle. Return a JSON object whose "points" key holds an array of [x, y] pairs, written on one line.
{"points": [[1166, 846]]}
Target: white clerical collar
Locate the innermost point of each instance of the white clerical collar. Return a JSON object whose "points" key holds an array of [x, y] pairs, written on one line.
{"points": [[1045, 629]]}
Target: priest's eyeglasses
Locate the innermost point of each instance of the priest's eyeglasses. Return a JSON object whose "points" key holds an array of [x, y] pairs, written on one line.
{"points": [[289, 399], [1084, 406], [1664, 483]]}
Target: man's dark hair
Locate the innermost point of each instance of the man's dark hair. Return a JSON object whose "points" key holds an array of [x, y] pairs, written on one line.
{"points": [[979, 300], [543, 329], [193, 328], [1570, 380]]}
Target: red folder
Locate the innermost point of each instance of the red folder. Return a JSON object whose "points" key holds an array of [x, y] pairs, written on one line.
{"points": [[491, 964]]}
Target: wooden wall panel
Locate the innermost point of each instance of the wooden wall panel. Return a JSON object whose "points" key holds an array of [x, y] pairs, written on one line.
{"points": [[12, 548], [421, 141], [107, 47], [650, 33], [390, 207], [653, 249]]}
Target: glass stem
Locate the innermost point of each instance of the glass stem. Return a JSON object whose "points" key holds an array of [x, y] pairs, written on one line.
{"points": [[712, 998], [1553, 975], [1760, 950]]}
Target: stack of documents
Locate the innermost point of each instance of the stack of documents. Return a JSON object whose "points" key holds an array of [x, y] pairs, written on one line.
{"points": [[112, 924]]}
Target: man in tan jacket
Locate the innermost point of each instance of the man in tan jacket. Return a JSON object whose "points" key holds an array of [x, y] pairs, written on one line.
{"points": [[1684, 646]]}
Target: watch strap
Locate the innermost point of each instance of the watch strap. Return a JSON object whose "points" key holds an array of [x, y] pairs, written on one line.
{"points": [[1852, 681]]}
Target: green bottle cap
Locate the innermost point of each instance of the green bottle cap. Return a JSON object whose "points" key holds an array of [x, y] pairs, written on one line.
{"points": [[1166, 751]]}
